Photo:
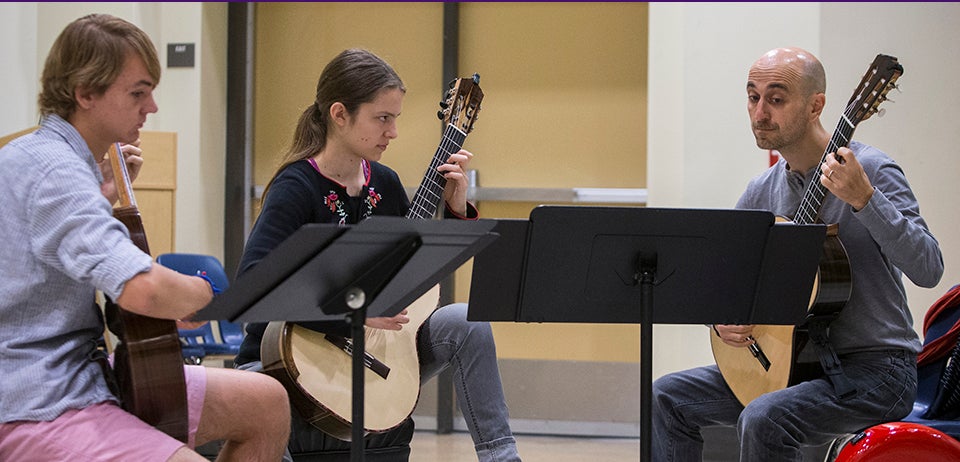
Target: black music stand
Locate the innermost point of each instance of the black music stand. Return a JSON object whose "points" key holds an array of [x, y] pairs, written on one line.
{"points": [[333, 273], [604, 264]]}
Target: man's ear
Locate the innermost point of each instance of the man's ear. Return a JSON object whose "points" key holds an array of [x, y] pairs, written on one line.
{"points": [[84, 97], [819, 101]]}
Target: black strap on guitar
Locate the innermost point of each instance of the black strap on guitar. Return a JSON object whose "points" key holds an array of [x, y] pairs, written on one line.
{"points": [[98, 354], [818, 330]]}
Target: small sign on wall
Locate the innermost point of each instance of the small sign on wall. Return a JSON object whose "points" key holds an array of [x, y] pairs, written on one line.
{"points": [[180, 54]]}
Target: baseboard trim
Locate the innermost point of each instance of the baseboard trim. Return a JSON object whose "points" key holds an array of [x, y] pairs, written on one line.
{"points": [[546, 427]]}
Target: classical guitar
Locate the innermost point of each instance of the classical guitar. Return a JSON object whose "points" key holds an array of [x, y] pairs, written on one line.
{"points": [[316, 367], [147, 363], [772, 362]]}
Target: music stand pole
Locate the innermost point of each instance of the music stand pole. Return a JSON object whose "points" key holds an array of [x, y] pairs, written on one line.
{"points": [[646, 272], [354, 301], [357, 320]]}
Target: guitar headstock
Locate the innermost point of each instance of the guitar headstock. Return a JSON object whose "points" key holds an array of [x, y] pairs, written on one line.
{"points": [[880, 78], [461, 103]]}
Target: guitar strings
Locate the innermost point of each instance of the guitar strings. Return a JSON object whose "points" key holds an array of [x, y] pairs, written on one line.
{"points": [[814, 195], [428, 195]]}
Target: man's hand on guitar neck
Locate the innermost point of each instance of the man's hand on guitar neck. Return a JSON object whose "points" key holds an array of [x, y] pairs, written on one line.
{"points": [[843, 176], [133, 157], [735, 335], [394, 323]]}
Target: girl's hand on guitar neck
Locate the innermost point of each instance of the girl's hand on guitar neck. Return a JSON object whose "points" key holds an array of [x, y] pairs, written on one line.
{"points": [[394, 323], [133, 157], [735, 335], [455, 172]]}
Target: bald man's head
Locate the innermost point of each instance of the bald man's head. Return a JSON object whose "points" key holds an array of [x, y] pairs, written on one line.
{"points": [[797, 62]]}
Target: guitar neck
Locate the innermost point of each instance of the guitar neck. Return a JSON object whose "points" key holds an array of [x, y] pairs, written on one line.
{"points": [[815, 193], [121, 178], [880, 77], [430, 192]]}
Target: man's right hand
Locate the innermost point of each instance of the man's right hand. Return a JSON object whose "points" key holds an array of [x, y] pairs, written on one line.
{"points": [[735, 335]]}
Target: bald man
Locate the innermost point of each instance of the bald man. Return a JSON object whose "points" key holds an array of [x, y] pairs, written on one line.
{"points": [[884, 237]]}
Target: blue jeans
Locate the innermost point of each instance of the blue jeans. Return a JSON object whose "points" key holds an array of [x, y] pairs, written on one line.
{"points": [[774, 426], [446, 339]]}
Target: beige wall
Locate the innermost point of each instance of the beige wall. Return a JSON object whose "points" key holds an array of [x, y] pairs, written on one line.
{"points": [[294, 42], [920, 128], [565, 87]]}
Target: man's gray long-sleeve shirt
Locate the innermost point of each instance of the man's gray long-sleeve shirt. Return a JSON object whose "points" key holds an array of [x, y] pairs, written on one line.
{"points": [[885, 240]]}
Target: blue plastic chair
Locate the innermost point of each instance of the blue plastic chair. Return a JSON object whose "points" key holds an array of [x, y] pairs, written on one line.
{"points": [[219, 339]]}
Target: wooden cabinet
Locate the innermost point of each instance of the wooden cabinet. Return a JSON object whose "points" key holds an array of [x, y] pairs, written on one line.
{"points": [[155, 189]]}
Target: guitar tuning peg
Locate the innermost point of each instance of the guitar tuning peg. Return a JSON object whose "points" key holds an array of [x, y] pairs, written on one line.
{"points": [[444, 104], [452, 83], [881, 112], [440, 115]]}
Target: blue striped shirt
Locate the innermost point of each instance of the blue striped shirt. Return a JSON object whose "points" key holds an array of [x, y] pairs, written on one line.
{"points": [[59, 243]]}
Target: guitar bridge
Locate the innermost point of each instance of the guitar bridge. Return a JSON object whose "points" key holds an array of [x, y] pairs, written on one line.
{"points": [[369, 361]]}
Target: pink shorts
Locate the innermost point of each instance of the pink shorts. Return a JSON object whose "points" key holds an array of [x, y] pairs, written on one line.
{"points": [[102, 432]]}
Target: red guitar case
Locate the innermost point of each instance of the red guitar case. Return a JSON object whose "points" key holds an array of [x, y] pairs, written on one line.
{"points": [[899, 442]]}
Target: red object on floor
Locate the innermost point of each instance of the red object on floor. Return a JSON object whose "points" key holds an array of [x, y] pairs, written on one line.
{"points": [[899, 442]]}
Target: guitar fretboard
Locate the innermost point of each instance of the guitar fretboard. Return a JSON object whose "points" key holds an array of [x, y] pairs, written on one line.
{"points": [[816, 192], [430, 192]]}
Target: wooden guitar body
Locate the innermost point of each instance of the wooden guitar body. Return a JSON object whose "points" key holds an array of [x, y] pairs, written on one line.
{"points": [[147, 363], [149, 370], [310, 367], [783, 345]]}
